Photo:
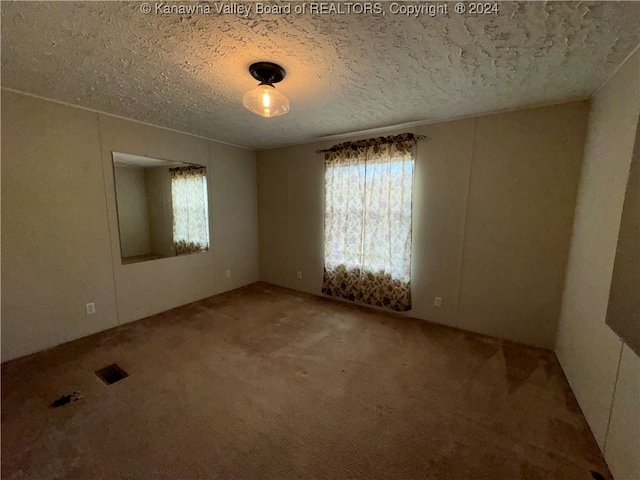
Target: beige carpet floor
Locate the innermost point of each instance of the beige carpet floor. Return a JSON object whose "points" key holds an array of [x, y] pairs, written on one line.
{"points": [[265, 382]]}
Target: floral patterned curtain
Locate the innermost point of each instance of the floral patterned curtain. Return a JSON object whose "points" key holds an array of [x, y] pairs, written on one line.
{"points": [[190, 209], [368, 195]]}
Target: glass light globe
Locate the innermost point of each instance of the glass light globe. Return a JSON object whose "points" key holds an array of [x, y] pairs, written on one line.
{"points": [[266, 101]]}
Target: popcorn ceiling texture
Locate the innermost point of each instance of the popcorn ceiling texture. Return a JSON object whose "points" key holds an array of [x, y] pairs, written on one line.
{"points": [[345, 73]]}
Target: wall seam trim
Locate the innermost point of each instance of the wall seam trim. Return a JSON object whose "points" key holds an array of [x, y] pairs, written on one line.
{"points": [[288, 280], [613, 398], [464, 223], [106, 205], [565, 275], [210, 207]]}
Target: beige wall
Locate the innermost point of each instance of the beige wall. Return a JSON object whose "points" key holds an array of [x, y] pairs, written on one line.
{"points": [[60, 245], [133, 214], [234, 215], [56, 255], [623, 311], [493, 208], [520, 207], [591, 355]]}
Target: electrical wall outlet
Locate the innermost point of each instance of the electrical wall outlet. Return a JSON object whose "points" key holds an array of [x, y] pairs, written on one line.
{"points": [[228, 273], [298, 274], [91, 308], [438, 302]]}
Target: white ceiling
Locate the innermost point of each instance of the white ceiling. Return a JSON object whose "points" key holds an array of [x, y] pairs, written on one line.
{"points": [[345, 73]]}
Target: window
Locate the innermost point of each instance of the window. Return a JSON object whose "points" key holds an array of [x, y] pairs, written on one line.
{"points": [[368, 194], [190, 210]]}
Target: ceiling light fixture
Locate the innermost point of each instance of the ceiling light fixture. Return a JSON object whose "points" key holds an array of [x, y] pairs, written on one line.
{"points": [[264, 99]]}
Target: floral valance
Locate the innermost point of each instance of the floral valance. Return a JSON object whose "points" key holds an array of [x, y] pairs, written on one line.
{"points": [[189, 170], [398, 143]]}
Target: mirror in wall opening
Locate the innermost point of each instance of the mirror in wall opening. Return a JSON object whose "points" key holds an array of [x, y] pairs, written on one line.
{"points": [[162, 207]]}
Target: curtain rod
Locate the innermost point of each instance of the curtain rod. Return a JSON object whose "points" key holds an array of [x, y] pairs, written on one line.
{"points": [[416, 138]]}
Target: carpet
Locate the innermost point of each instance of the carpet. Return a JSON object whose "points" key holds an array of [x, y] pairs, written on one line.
{"points": [[268, 383]]}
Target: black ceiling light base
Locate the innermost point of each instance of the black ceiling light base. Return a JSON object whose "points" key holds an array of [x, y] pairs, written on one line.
{"points": [[268, 73]]}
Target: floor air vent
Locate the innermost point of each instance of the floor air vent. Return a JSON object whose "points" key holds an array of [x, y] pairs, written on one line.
{"points": [[111, 374]]}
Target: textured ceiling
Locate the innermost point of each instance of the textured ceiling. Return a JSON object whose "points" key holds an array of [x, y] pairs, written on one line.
{"points": [[138, 161], [345, 72]]}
